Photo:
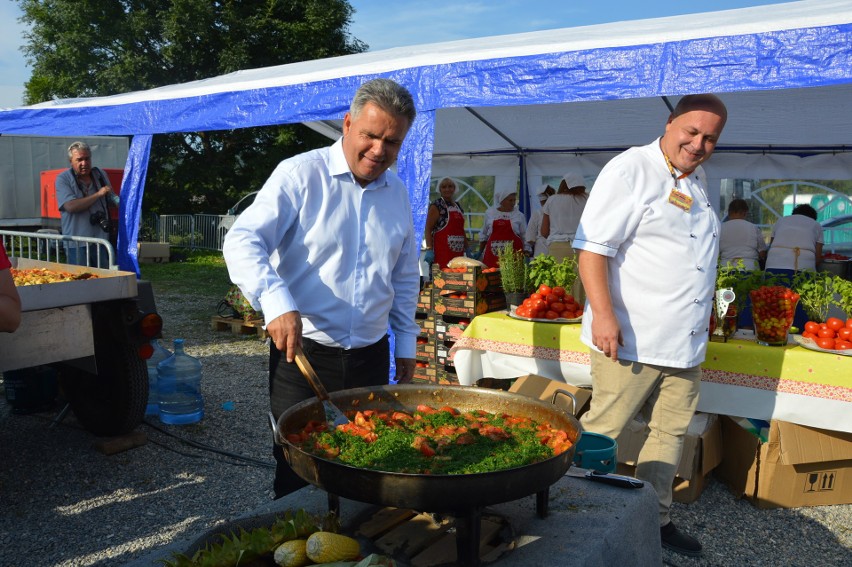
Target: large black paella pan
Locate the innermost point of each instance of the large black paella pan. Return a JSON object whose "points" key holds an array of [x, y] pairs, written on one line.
{"points": [[451, 494]]}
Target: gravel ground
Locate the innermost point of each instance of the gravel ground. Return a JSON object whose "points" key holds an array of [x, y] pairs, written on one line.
{"points": [[64, 503]]}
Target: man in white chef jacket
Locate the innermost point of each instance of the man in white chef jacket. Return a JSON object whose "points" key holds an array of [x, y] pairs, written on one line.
{"points": [[648, 242]]}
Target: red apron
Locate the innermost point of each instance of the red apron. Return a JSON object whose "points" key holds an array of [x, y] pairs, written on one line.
{"points": [[502, 236], [449, 241]]}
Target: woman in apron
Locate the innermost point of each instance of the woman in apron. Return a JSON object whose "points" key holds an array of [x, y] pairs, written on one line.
{"points": [[504, 226], [795, 244], [445, 236]]}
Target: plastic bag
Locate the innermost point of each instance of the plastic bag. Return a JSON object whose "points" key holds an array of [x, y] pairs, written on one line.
{"points": [[235, 305]]}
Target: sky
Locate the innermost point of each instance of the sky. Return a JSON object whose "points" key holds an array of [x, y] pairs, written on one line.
{"points": [[414, 22]]}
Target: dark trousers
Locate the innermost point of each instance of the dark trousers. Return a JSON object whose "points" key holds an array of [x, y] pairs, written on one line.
{"points": [[339, 369]]}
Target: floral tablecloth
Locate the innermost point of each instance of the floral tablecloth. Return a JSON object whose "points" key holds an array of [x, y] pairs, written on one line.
{"points": [[741, 378]]}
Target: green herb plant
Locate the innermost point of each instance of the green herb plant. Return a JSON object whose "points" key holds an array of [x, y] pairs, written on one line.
{"points": [[742, 281], [843, 287], [513, 270], [816, 292], [544, 269]]}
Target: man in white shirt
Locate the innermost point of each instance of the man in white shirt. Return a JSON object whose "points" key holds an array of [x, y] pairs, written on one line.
{"points": [[327, 251], [649, 242]]}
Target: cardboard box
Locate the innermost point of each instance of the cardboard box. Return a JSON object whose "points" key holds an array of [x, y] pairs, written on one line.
{"points": [[469, 305], [542, 388], [702, 452], [797, 465], [471, 278], [427, 326], [424, 301], [448, 328], [153, 252], [425, 374]]}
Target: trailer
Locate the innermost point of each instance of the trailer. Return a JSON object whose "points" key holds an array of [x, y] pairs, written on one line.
{"points": [[95, 332]]}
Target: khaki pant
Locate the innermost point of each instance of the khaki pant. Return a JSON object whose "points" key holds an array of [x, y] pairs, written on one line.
{"points": [[665, 397], [560, 250]]}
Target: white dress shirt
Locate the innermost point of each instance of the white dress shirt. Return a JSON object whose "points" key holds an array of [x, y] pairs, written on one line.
{"points": [[661, 259], [344, 256]]}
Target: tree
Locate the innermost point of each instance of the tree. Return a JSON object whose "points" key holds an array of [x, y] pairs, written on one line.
{"points": [[84, 48]]}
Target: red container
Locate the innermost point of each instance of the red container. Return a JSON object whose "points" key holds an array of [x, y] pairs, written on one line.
{"points": [[49, 208]]}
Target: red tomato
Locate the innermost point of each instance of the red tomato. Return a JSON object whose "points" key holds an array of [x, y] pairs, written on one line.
{"points": [[849, 323], [842, 345], [810, 335], [427, 450], [567, 314], [557, 306], [551, 315], [844, 334], [834, 323], [537, 295], [811, 327], [544, 290], [551, 298], [558, 291], [523, 311], [568, 298], [825, 343], [826, 333]]}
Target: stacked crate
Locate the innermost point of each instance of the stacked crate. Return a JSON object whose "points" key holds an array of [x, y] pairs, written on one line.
{"points": [[425, 369], [459, 295]]}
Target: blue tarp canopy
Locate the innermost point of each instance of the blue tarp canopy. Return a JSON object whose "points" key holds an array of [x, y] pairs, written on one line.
{"points": [[523, 106]]}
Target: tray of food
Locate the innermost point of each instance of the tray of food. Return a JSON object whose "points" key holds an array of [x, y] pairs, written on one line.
{"points": [[45, 285], [811, 344], [514, 315]]}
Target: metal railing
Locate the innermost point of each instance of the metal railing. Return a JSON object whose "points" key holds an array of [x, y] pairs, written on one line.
{"points": [[199, 231], [45, 246]]}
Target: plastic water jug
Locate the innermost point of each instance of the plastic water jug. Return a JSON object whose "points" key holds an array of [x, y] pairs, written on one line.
{"points": [[179, 388], [160, 354]]}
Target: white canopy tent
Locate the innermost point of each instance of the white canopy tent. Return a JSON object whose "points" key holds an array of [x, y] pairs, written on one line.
{"points": [[527, 105]]}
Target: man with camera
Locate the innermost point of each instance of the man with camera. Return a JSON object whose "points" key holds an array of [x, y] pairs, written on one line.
{"points": [[84, 196]]}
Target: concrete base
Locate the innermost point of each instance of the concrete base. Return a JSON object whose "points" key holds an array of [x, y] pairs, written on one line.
{"points": [[589, 524]]}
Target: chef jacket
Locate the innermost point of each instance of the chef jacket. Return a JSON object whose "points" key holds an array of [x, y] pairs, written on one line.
{"points": [[343, 255], [661, 259]]}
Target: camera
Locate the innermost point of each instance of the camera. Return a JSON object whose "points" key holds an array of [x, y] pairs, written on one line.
{"points": [[100, 219]]}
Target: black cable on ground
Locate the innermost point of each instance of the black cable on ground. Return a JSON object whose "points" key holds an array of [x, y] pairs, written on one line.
{"points": [[205, 447]]}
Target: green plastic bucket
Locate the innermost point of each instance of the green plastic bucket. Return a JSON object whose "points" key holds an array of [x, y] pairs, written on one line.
{"points": [[596, 452]]}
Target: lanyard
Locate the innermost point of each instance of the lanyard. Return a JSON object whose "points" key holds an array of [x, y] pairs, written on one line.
{"points": [[675, 176]]}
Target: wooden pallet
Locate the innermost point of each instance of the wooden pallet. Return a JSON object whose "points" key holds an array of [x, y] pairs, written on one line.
{"points": [[239, 326], [426, 540]]}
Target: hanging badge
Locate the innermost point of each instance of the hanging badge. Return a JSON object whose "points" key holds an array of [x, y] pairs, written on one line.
{"points": [[680, 200]]}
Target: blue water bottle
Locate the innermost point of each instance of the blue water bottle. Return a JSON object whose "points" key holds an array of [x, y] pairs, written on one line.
{"points": [[179, 388], [160, 354]]}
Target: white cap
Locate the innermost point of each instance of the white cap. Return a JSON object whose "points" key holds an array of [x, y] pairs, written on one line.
{"points": [[573, 180], [503, 189]]}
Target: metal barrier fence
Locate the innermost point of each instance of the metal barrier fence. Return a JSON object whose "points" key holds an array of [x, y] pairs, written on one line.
{"points": [[47, 246], [200, 231]]}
